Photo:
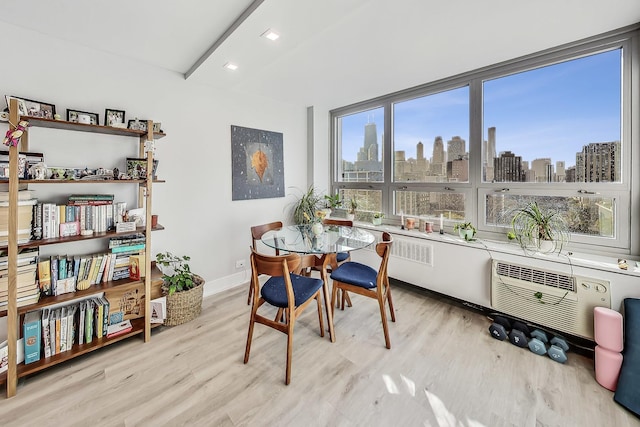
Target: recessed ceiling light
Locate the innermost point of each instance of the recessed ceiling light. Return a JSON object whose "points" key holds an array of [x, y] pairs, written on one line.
{"points": [[271, 35], [230, 66]]}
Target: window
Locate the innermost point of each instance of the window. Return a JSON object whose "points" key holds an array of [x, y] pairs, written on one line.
{"points": [[553, 127], [557, 123], [430, 137]]}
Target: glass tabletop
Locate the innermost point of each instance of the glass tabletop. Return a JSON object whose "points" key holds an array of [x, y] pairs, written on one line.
{"points": [[334, 238]]}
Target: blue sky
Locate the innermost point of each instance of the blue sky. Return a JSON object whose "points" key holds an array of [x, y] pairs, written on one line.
{"points": [[547, 112]]}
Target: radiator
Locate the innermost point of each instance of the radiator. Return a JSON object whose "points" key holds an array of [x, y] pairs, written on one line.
{"points": [[560, 301]]}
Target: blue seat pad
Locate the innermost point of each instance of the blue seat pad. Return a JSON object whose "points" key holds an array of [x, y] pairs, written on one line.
{"points": [[356, 274], [275, 292], [341, 256], [628, 390]]}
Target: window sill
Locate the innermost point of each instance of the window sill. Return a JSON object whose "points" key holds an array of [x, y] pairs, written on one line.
{"points": [[597, 262]]}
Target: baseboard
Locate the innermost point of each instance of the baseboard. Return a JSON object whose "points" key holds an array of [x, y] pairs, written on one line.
{"points": [[212, 287]]}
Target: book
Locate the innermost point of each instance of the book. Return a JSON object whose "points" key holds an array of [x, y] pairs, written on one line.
{"points": [[80, 322], [98, 315], [4, 354], [54, 273], [63, 329], [44, 276], [158, 310], [46, 333], [31, 334], [62, 267], [103, 262], [75, 197], [128, 248], [58, 319], [119, 328], [71, 316], [88, 321], [22, 195], [107, 264], [52, 331], [105, 315]]}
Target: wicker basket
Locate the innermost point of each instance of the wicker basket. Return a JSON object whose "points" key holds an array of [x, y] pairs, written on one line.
{"points": [[185, 306]]}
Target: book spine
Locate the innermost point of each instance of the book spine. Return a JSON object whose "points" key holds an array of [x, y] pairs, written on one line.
{"points": [[128, 248], [74, 197], [88, 322], [105, 316], [44, 276], [46, 333], [32, 337], [54, 274], [63, 330], [52, 331], [81, 319], [58, 320]]}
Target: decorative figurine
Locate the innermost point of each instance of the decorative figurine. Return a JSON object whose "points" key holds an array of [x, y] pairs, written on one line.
{"points": [[12, 137]]}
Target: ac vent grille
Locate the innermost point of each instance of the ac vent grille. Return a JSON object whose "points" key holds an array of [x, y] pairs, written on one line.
{"points": [[533, 275]]}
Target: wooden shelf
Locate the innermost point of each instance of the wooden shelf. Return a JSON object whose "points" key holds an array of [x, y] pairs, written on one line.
{"points": [[107, 130], [58, 240], [79, 181]]}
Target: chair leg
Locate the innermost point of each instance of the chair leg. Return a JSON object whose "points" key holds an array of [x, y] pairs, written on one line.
{"points": [[279, 314], [250, 334], [250, 294], [391, 310], [334, 294], [347, 298], [383, 316], [318, 297], [287, 378]]}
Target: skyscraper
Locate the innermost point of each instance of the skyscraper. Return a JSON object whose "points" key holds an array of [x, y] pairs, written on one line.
{"points": [[599, 162], [490, 154], [456, 148], [508, 168], [437, 161]]}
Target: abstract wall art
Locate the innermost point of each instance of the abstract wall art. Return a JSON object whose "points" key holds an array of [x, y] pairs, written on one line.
{"points": [[257, 164]]}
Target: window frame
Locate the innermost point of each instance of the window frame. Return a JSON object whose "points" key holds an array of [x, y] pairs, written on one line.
{"points": [[626, 192]]}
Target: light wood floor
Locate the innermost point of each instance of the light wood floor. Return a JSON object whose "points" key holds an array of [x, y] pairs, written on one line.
{"points": [[443, 370]]}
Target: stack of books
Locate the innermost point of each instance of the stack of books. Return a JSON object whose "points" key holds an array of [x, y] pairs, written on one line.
{"points": [[25, 216], [28, 291]]}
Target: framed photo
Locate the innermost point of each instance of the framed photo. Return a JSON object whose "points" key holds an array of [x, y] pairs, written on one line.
{"points": [[113, 117], [77, 116], [157, 127], [137, 168], [31, 108], [137, 124], [22, 108]]}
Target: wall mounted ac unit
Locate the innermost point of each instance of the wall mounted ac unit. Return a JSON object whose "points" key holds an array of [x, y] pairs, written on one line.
{"points": [[566, 301]]}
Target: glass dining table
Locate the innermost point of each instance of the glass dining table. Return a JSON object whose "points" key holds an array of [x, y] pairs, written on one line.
{"points": [[325, 246]]}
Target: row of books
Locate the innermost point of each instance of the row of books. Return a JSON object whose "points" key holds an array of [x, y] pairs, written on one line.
{"points": [[27, 286], [82, 212], [61, 274], [48, 332]]}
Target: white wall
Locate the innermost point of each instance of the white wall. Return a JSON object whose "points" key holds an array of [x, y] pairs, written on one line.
{"points": [[195, 203]]}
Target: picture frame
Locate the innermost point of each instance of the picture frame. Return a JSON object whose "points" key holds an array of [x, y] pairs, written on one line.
{"points": [[31, 108], [72, 116], [157, 127], [113, 117], [137, 168], [140, 125]]}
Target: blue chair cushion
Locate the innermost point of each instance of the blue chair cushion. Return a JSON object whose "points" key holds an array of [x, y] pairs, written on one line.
{"points": [[275, 292], [341, 256], [356, 274], [628, 389]]}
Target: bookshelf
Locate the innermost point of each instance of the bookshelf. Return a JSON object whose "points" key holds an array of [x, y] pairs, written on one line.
{"points": [[151, 282]]}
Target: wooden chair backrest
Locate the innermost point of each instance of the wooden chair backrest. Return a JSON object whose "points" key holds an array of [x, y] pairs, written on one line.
{"points": [[274, 266], [257, 231], [343, 222], [383, 249]]}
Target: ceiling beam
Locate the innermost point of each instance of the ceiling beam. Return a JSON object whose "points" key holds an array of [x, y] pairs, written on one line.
{"points": [[247, 12]]}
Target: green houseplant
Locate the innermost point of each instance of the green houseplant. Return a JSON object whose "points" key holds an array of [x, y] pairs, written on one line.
{"points": [[183, 288], [377, 218], [351, 208], [305, 208], [541, 228], [465, 230]]}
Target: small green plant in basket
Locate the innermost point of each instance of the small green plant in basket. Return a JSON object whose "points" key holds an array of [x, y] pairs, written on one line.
{"points": [[176, 272]]}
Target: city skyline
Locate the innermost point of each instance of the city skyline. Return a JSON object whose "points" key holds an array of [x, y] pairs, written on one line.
{"points": [[550, 112]]}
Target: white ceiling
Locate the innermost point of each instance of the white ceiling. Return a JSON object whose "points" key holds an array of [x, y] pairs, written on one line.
{"points": [[331, 52]]}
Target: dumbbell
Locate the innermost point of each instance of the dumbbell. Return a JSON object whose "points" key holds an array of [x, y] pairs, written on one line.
{"points": [[519, 335], [558, 350], [498, 328], [538, 342]]}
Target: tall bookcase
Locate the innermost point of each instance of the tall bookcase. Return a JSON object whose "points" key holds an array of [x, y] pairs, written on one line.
{"points": [[152, 279]]}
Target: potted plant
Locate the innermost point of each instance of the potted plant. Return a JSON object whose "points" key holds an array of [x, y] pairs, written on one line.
{"points": [[332, 202], [465, 230], [542, 228], [351, 209], [377, 218], [182, 288], [304, 209]]}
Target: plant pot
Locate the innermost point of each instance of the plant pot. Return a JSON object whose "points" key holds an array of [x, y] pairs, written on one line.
{"points": [[376, 221], [317, 228], [465, 234], [185, 306], [545, 246]]}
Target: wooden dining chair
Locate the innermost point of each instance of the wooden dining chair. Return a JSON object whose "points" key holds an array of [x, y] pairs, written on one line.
{"points": [[284, 290], [364, 280], [257, 231], [341, 257]]}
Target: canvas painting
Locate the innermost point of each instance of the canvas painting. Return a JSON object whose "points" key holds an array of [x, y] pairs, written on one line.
{"points": [[257, 164]]}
